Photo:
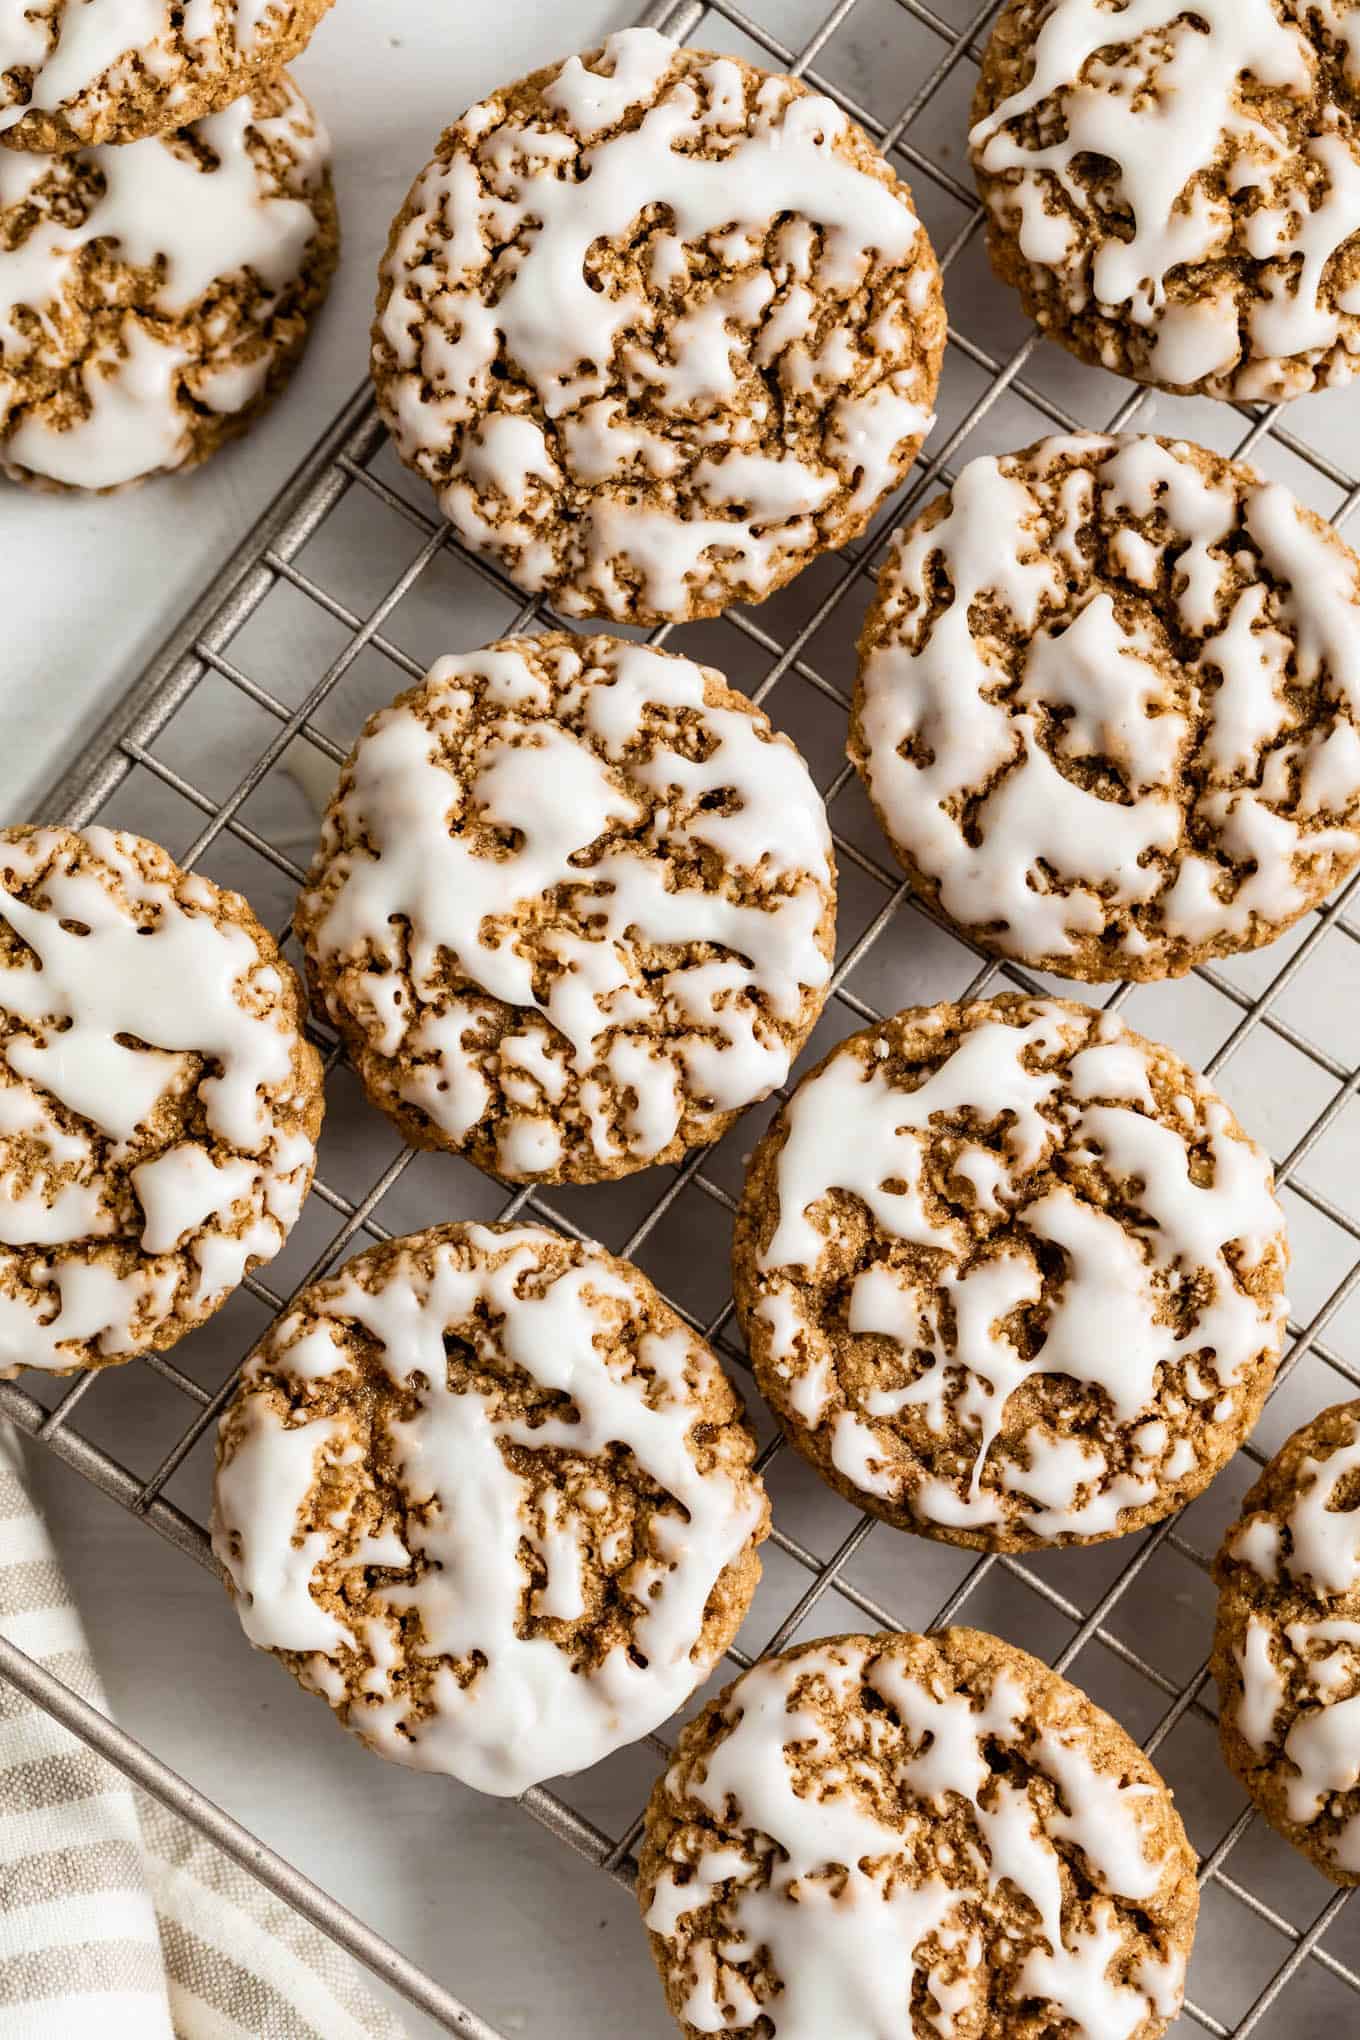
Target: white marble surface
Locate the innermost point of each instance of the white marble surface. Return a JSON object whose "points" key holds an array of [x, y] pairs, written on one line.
{"points": [[469, 1887]]}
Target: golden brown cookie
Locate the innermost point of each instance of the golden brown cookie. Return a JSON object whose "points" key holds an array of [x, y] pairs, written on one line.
{"points": [[573, 909], [659, 328], [159, 1107], [1175, 191], [1287, 1644], [890, 1835], [154, 298], [78, 72], [1108, 709], [1011, 1275], [486, 1493]]}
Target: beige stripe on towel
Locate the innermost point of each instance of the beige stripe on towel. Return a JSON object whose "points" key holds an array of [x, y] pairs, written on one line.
{"points": [[117, 1918]]}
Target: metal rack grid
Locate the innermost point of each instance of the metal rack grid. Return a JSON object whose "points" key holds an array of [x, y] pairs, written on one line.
{"points": [[1290, 1954]]}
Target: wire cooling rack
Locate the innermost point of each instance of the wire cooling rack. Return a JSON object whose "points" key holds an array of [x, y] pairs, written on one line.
{"points": [[344, 592]]}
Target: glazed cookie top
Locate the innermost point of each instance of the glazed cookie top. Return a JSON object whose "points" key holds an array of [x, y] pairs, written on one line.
{"points": [[75, 72], [1192, 172], [1013, 1273], [1109, 705], [658, 327], [158, 1105], [486, 1493], [878, 1834], [1287, 1653], [139, 285], [573, 904]]}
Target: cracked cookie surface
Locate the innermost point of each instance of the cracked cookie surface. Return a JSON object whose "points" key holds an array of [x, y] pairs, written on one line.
{"points": [[1011, 1275], [1174, 191], [159, 1107], [74, 73], [896, 1835], [1108, 709], [154, 298], [573, 908], [487, 1494], [1287, 1643], [659, 328]]}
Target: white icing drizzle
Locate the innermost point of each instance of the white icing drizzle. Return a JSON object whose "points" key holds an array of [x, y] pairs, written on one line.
{"points": [[1325, 1541], [267, 1484], [1167, 110], [203, 222], [1257, 1543], [935, 728], [1325, 1749], [696, 1033], [841, 1907], [850, 1129], [47, 1213], [1314, 1659], [1323, 1743], [543, 196], [1264, 1686], [196, 992], [105, 45], [528, 1712]]}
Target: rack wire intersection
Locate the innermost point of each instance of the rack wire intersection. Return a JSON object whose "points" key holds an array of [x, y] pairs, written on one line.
{"points": [[255, 699]]}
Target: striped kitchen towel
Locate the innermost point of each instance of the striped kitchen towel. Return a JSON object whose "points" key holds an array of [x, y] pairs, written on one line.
{"points": [[117, 1918]]}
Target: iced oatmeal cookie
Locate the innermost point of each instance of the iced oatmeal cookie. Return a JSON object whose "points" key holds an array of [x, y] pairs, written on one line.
{"points": [[1287, 1645], [1108, 709], [573, 908], [1175, 190], [658, 328], [878, 1837], [1011, 1275], [154, 298], [159, 1107], [78, 72], [486, 1493]]}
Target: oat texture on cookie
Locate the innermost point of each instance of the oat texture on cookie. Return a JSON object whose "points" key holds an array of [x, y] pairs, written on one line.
{"points": [[573, 907], [159, 1106], [658, 327], [882, 1836], [1108, 709], [1287, 1644], [1011, 1275], [153, 298], [79, 72], [486, 1493], [1175, 191]]}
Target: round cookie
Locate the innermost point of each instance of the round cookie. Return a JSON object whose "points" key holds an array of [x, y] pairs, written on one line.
{"points": [[154, 298], [573, 909], [659, 328], [159, 1107], [1011, 1275], [1287, 1644], [881, 1836], [1108, 709], [486, 1493], [78, 72], [1174, 190]]}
